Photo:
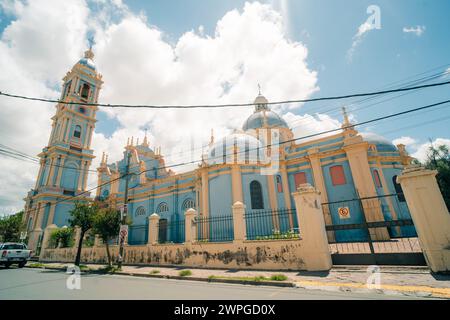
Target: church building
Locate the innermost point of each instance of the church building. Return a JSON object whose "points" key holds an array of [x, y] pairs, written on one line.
{"points": [[260, 164]]}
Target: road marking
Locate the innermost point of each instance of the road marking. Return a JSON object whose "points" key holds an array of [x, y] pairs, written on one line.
{"points": [[441, 292]]}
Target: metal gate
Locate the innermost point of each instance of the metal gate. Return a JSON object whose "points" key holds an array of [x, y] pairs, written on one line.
{"points": [[372, 231]]}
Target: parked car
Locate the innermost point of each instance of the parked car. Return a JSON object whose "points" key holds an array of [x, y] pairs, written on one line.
{"points": [[14, 253]]}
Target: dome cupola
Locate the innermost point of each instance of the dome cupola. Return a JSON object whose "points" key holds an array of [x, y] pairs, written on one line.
{"points": [[263, 117]]}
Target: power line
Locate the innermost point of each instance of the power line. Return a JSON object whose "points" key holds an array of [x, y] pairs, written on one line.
{"points": [[226, 105], [18, 155], [279, 143]]}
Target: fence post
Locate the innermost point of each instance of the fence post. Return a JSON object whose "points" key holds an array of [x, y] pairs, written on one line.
{"points": [[311, 223], [430, 215], [46, 238], [190, 234], [239, 227], [153, 231]]}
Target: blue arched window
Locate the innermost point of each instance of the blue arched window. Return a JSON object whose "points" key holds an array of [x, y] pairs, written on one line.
{"points": [[256, 195], [140, 211], [188, 204], [162, 207], [85, 91], [77, 131]]}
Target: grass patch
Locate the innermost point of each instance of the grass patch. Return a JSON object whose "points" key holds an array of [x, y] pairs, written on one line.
{"points": [[154, 271], [185, 273], [108, 269], [36, 265], [278, 277], [84, 267]]}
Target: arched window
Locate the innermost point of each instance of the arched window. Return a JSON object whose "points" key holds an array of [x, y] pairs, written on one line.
{"points": [[85, 91], [337, 175], [77, 132], [279, 184], [300, 178], [376, 177], [188, 204], [256, 195], [30, 223], [398, 190], [82, 110], [140, 211], [162, 207]]}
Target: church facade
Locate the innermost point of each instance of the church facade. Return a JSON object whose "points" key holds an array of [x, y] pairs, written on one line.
{"points": [[260, 165]]}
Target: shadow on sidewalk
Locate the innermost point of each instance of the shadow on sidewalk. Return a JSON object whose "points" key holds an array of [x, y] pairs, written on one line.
{"points": [[319, 274]]}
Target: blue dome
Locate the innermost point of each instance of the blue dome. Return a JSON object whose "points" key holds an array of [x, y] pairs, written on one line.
{"points": [[248, 148], [264, 118], [382, 144], [88, 63]]}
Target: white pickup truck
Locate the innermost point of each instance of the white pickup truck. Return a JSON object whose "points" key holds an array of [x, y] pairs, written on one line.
{"points": [[16, 253]]}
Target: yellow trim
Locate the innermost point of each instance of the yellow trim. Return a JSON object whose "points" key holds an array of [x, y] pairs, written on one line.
{"points": [[441, 292]]}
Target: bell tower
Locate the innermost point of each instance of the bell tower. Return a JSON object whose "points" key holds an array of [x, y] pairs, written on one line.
{"points": [[65, 161]]}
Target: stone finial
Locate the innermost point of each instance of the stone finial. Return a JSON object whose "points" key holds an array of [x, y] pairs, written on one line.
{"points": [[88, 54], [346, 124], [405, 158]]}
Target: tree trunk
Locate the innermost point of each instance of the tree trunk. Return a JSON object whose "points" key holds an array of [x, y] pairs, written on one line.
{"points": [[80, 244], [108, 254]]}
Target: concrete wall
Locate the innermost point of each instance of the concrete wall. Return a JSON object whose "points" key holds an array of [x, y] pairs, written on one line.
{"points": [[270, 255]]}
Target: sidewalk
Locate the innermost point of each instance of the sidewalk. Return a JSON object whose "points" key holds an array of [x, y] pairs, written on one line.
{"points": [[414, 281]]}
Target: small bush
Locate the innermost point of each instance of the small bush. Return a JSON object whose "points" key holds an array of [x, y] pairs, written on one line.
{"points": [[185, 273], [109, 269], [278, 277], [36, 265], [154, 272]]}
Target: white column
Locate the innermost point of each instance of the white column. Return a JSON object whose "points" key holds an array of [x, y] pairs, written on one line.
{"points": [[153, 230], [430, 215], [239, 226], [190, 234], [317, 256]]}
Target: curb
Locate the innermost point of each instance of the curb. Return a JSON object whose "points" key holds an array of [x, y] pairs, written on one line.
{"points": [[159, 276], [217, 280]]}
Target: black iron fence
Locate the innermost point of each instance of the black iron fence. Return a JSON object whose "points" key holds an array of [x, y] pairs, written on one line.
{"points": [[172, 231], [214, 228], [138, 234], [278, 224], [373, 230]]}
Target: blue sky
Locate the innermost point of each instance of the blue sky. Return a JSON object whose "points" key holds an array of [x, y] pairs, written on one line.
{"points": [[188, 51], [327, 27]]}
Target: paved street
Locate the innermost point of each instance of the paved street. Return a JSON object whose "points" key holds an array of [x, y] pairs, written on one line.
{"points": [[48, 284]]}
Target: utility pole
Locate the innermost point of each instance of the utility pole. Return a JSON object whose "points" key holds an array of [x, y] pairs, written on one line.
{"points": [[125, 211]]}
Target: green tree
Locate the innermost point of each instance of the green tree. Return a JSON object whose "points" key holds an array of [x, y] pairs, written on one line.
{"points": [[82, 216], [107, 226], [438, 158], [10, 227]]}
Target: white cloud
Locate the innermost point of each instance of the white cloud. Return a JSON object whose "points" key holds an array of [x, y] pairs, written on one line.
{"points": [[305, 125], [139, 66], [422, 150], [418, 30], [363, 29], [407, 141]]}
